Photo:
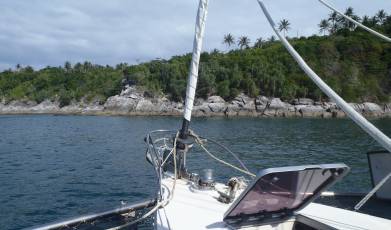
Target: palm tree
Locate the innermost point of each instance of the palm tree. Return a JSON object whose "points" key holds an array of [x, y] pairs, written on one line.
{"points": [[334, 19], [381, 16], [259, 43], [284, 25], [348, 24], [324, 26], [244, 42], [229, 40], [272, 38], [68, 66], [366, 20]]}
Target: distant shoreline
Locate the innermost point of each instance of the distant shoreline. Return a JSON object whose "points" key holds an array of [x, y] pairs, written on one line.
{"points": [[132, 102]]}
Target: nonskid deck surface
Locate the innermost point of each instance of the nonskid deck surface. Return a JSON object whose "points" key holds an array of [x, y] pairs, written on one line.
{"points": [[196, 209]]}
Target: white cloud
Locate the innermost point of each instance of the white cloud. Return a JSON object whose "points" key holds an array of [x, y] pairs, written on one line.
{"points": [[50, 32]]}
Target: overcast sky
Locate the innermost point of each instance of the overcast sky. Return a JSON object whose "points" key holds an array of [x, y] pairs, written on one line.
{"points": [[50, 32]]}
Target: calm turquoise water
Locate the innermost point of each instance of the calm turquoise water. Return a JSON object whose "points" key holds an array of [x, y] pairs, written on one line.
{"points": [[56, 167]]}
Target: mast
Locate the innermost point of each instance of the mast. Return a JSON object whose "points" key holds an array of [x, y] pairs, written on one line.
{"points": [[368, 127], [192, 81], [193, 73]]}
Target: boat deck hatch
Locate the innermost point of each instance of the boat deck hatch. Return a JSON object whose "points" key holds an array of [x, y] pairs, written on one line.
{"points": [[277, 193]]}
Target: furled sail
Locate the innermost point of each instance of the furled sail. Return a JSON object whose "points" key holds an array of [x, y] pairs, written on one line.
{"points": [[197, 46], [368, 127]]}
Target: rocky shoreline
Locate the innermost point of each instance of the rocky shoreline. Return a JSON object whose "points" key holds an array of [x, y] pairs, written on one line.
{"points": [[132, 101]]}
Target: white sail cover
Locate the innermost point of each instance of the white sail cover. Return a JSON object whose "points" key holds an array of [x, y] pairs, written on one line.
{"points": [[368, 127], [193, 74]]}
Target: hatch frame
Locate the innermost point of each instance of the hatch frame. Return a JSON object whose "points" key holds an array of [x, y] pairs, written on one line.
{"points": [[285, 213]]}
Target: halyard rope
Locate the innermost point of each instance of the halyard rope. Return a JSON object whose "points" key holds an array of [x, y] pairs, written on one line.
{"points": [[200, 143]]}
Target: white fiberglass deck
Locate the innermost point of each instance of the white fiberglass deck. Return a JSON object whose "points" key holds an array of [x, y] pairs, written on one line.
{"points": [[199, 209]]}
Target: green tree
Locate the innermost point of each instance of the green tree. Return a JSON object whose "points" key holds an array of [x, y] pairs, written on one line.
{"points": [[381, 16], [284, 25], [348, 24], [68, 66], [223, 89], [335, 20], [229, 40], [244, 42], [259, 43], [272, 39], [324, 26]]}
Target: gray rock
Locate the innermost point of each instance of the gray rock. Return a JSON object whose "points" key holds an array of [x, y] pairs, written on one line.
{"points": [[358, 107], [312, 111], [232, 110], [165, 107], [202, 109], [387, 108], [302, 101], [242, 105], [145, 105], [261, 100], [329, 106], [217, 107], [120, 104], [215, 99], [93, 109], [277, 104], [46, 106], [372, 108], [199, 101], [73, 108]]}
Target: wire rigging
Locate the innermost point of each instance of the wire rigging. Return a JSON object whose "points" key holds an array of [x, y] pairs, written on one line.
{"points": [[356, 22], [159, 204]]}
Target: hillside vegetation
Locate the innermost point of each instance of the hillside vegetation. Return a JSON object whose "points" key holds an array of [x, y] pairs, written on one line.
{"points": [[356, 64]]}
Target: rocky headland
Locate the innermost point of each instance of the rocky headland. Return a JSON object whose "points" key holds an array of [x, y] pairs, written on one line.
{"points": [[132, 101]]}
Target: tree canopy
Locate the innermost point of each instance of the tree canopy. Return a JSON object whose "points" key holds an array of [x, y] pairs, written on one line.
{"points": [[354, 63]]}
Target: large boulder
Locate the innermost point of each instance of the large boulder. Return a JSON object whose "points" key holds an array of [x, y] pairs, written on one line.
{"points": [[216, 104], [277, 104], [120, 104], [215, 99], [46, 106], [131, 92], [217, 107], [241, 105], [73, 108], [261, 102], [372, 107], [145, 105], [202, 110]]}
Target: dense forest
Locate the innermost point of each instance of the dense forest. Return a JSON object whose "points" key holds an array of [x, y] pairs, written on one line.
{"points": [[356, 64]]}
